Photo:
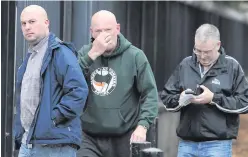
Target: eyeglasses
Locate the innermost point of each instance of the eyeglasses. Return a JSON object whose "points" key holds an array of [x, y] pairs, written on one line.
{"points": [[206, 53]]}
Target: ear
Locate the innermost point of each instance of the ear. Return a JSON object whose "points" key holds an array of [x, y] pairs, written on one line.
{"points": [[91, 31], [218, 44], [118, 28], [47, 22]]}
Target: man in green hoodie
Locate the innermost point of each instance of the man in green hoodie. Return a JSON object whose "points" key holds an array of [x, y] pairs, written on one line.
{"points": [[123, 99]]}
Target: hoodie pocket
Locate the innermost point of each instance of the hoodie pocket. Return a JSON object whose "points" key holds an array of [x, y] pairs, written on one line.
{"points": [[103, 120], [129, 111]]}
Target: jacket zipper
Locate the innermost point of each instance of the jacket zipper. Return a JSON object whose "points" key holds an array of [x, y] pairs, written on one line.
{"points": [[36, 114]]}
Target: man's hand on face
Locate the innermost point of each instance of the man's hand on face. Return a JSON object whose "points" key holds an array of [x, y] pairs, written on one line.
{"points": [[139, 135], [99, 45], [204, 98]]}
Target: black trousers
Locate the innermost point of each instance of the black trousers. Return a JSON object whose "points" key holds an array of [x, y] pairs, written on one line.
{"points": [[105, 146]]}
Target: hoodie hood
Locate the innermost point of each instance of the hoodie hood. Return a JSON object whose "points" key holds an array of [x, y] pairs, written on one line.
{"points": [[122, 45]]}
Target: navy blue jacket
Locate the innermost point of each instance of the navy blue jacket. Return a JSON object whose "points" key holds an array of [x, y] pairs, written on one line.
{"points": [[63, 95]]}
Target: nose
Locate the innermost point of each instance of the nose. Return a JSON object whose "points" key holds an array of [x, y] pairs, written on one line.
{"points": [[27, 27]]}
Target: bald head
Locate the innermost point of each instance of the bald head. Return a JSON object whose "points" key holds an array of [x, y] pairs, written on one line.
{"points": [[103, 16], [35, 9], [35, 23], [105, 21]]}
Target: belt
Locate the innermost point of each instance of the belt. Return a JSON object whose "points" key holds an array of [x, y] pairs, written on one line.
{"points": [[30, 146], [61, 145]]}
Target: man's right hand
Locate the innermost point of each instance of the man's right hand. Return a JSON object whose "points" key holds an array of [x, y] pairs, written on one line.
{"points": [[99, 45], [185, 99]]}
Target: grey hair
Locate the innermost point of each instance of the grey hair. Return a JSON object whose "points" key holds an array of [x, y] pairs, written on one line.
{"points": [[206, 32]]}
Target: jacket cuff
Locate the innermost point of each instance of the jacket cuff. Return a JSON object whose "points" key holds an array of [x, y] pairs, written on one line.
{"points": [[57, 117], [217, 99], [144, 123]]}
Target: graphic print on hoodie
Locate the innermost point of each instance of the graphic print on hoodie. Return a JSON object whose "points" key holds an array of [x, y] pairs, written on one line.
{"points": [[103, 81]]}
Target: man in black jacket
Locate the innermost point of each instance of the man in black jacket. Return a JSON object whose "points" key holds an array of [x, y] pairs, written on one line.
{"points": [[210, 90]]}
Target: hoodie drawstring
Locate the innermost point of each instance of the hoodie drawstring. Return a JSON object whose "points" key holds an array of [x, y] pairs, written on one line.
{"points": [[108, 74], [105, 64]]}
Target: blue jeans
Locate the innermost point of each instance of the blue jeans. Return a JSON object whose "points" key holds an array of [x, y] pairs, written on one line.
{"points": [[205, 149], [45, 151]]}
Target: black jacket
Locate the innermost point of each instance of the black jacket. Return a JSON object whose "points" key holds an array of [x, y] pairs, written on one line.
{"points": [[220, 120]]}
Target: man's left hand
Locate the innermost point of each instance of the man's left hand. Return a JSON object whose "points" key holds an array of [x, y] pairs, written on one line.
{"points": [[204, 98], [139, 135]]}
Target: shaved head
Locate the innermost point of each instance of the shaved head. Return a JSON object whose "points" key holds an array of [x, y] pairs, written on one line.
{"points": [[103, 16], [35, 23], [105, 21], [38, 10]]}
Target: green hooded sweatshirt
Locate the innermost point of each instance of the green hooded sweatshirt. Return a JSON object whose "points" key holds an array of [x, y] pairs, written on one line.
{"points": [[123, 92]]}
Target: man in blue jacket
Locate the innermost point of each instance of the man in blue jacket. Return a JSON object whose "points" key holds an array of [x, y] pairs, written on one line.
{"points": [[51, 92]]}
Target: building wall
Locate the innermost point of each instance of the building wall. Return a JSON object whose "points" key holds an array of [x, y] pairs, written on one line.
{"points": [[7, 75]]}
